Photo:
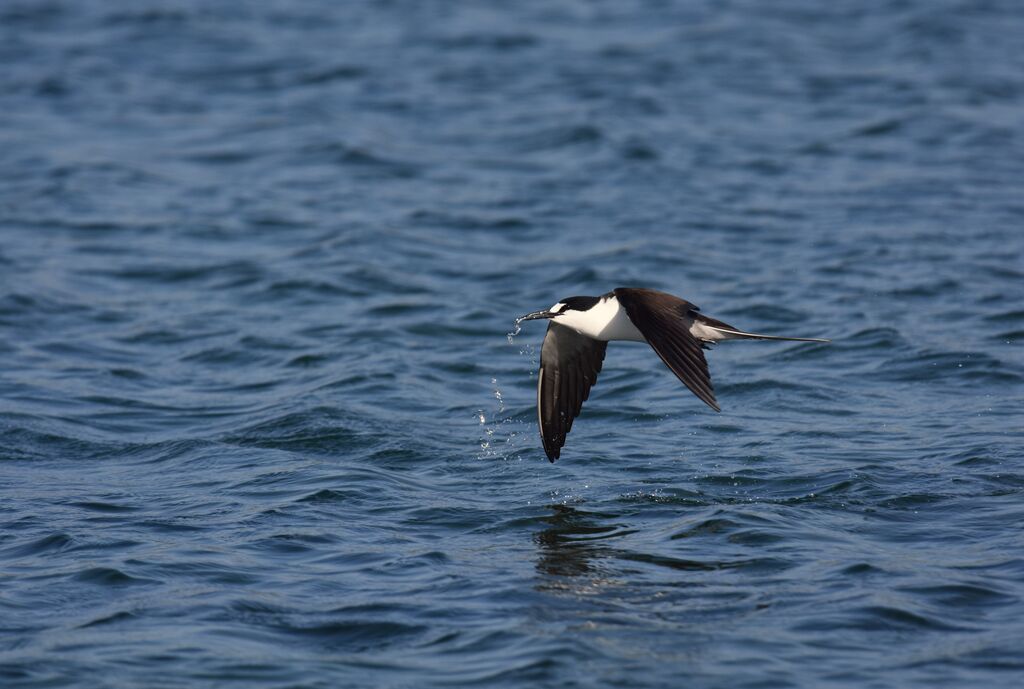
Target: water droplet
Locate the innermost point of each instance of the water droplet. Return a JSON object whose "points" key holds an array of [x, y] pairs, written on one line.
{"points": [[511, 336]]}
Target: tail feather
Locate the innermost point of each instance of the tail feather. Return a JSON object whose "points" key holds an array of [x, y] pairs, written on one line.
{"points": [[739, 334], [727, 332]]}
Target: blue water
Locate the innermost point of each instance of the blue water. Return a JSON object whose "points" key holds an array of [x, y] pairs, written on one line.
{"points": [[261, 426]]}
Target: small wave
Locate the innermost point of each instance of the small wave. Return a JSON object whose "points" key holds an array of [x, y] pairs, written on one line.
{"points": [[558, 137], [768, 312], [872, 338], [359, 159], [707, 527], [52, 543], [113, 618], [930, 288], [880, 127], [886, 617], [960, 596], [481, 221], [104, 507], [19, 442], [20, 305], [353, 635], [1011, 316], [108, 576], [310, 291], [877, 618], [328, 75], [164, 273], [499, 42], [969, 367], [774, 386], [319, 430]]}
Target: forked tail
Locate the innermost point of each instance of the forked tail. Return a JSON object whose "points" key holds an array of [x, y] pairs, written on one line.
{"points": [[724, 331], [740, 335]]}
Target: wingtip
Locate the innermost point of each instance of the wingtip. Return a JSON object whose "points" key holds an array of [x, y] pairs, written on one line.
{"points": [[710, 401]]}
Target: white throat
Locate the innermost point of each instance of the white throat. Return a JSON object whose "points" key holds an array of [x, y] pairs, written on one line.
{"points": [[605, 321]]}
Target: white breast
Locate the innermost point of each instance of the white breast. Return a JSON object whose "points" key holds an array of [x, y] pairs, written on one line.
{"points": [[606, 321]]}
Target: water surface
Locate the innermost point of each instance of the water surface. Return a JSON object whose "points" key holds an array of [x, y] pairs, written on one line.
{"points": [[261, 426]]}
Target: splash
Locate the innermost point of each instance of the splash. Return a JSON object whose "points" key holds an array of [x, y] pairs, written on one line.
{"points": [[526, 349], [500, 433], [497, 396], [516, 329]]}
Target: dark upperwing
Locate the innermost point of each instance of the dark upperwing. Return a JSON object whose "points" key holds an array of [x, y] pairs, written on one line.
{"points": [[664, 321], [569, 364]]}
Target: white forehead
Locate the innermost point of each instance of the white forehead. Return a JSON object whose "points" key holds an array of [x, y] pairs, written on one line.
{"points": [[557, 308]]}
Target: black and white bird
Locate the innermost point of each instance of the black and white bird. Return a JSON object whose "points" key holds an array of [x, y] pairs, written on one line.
{"points": [[581, 328]]}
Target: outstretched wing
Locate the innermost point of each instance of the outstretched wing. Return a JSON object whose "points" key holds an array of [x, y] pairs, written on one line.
{"points": [[569, 364], [664, 320]]}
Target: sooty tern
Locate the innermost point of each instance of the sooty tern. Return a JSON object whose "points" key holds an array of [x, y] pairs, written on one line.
{"points": [[582, 327]]}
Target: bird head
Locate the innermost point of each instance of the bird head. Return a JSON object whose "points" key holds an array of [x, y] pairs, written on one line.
{"points": [[546, 313], [562, 307]]}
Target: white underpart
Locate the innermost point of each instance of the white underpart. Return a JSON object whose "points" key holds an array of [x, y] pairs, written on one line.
{"points": [[605, 321]]}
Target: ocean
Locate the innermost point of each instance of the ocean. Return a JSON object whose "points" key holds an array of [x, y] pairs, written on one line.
{"points": [[262, 423]]}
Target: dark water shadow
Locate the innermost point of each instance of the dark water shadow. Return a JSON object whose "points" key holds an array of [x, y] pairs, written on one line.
{"points": [[571, 544]]}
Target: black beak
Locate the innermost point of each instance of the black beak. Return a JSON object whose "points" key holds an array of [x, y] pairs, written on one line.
{"points": [[535, 315]]}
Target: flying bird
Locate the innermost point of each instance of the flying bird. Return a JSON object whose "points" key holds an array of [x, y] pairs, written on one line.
{"points": [[581, 328]]}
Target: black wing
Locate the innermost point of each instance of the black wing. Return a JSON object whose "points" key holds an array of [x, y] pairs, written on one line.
{"points": [[569, 364], [664, 320]]}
